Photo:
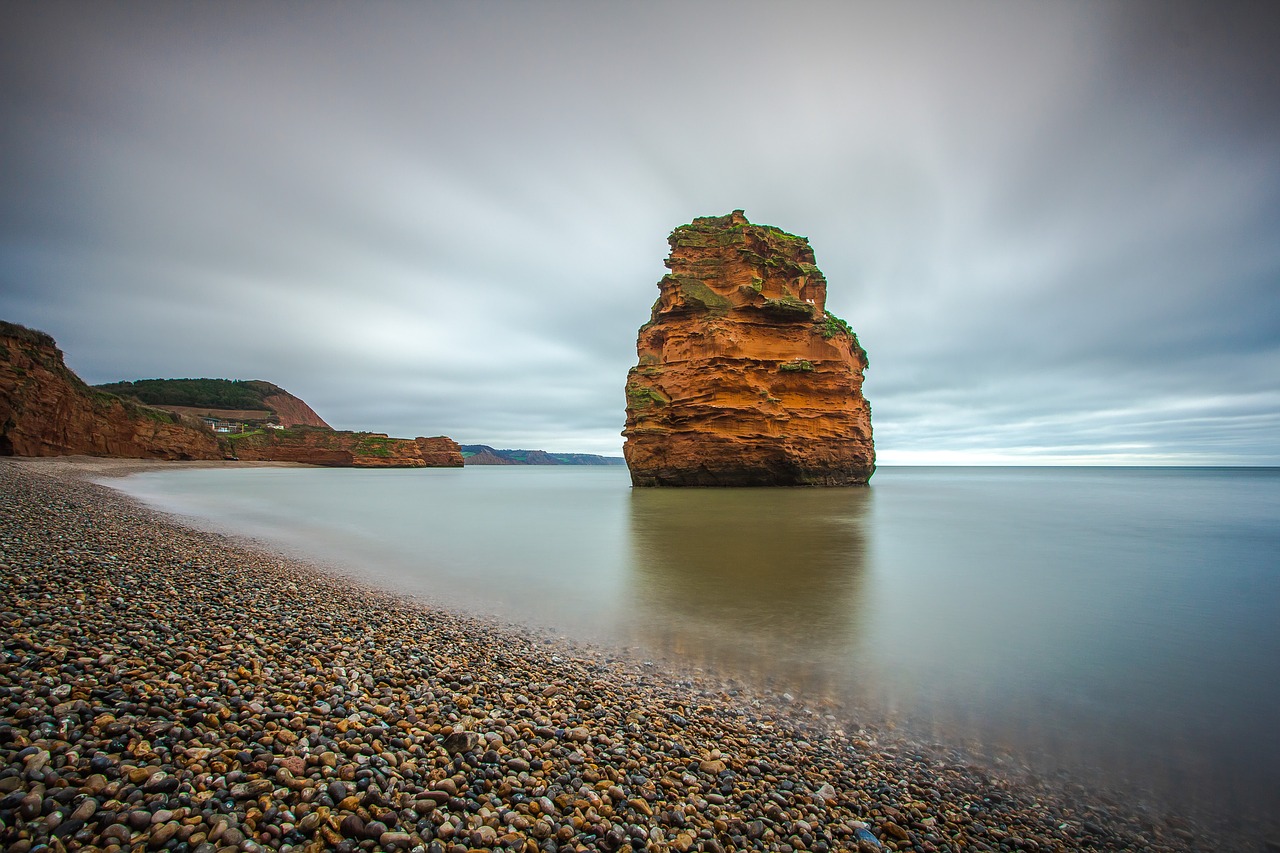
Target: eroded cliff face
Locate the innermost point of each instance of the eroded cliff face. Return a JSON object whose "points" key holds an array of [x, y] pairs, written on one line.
{"points": [[342, 449], [46, 410], [743, 378], [440, 451], [292, 411]]}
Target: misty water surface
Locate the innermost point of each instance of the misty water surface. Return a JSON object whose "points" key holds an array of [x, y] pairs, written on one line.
{"points": [[1118, 622]]}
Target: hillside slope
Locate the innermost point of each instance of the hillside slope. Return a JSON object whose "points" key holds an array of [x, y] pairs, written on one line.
{"points": [[219, 398], [483, 454]]}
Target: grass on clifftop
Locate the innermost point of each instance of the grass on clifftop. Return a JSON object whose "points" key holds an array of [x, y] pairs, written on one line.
{"points": [[833, 325], [199, 393], [719, 231], [30, 336]]}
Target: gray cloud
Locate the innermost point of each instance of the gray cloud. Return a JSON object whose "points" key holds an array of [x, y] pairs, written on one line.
{"points": [[1053, 225]]}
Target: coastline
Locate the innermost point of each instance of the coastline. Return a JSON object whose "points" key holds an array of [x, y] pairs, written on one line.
{"points": [[169, 687], [104, 467]]}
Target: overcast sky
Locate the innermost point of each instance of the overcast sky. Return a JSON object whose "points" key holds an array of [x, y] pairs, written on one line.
{"points": [[1055, 227]]}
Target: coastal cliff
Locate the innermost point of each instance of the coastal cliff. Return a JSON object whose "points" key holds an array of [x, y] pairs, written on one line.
{"points": [[439, 451], [291, 411], [344, 449], [46, 410], [744, 378]]}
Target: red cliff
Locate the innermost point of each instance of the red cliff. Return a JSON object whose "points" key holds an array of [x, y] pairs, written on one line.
{"points": [[291, 411], [343, 449], [440, 451], [46, 410], [744, 378]]}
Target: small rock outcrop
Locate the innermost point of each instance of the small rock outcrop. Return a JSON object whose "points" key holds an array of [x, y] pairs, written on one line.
{"points": [[744, 378], [345, 449], [46, 410], [440, 451]]}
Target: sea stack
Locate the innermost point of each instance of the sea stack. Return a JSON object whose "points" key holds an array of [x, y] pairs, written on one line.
{"points": [[744, 378]]}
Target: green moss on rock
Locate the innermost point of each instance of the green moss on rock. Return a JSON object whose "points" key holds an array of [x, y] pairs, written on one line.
{"points": [[697, 294], [833, 325], [643, 396], [788, 307]]}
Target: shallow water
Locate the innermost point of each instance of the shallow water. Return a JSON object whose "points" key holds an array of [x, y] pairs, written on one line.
{"points": [[1123, 624]]}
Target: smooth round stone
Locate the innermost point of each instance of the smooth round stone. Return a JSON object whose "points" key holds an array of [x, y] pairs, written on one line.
{"points": [[163, 833], [352, 826], [395, 839], [117, 832]]}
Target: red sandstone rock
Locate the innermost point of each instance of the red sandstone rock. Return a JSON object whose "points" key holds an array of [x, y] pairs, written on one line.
{"points": [[343, 449], [46, 410], [440, 452], [291, 411], [743, 377]]}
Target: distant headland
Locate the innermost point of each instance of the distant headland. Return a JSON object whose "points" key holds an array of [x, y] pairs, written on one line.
{"points": [[483, 454]]}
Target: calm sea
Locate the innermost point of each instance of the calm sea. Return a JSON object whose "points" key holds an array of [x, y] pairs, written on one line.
{"points": [[1117, 623]]}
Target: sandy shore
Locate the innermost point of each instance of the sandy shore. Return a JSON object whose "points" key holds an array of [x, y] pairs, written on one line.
{"points": [[98, 467], [162, 687]]}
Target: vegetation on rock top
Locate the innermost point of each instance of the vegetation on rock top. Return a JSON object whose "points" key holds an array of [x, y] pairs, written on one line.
{"points": [[206, 393], [833, 325], [22, 333]]}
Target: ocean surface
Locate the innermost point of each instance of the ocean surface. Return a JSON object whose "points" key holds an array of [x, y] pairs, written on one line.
{"points": [[1121, 625]]}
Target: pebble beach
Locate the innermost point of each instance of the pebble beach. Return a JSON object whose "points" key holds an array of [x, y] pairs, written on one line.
{"points": [[167, 688]]}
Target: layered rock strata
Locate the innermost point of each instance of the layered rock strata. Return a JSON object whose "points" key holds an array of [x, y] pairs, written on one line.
{"points": [[344, 449], [744, 378], [46, 410], [440, 451]]}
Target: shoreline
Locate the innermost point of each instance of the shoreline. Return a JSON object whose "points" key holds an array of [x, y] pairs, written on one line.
{"points": [[179, 688], [93, 468]]}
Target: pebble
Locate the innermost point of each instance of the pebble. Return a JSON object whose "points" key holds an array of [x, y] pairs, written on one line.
{"points": [[168, 688]]}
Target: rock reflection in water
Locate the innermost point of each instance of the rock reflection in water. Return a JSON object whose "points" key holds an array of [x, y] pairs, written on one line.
{"points": [[764, 583]]}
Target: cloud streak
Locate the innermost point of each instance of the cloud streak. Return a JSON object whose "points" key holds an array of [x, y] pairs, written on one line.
{"points": [[1053, 226]]}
